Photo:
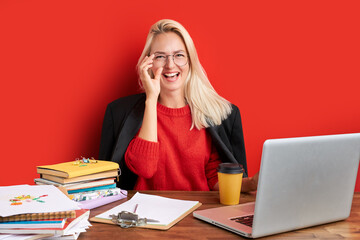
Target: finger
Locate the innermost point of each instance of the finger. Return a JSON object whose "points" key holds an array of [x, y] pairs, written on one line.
{"points": [[146, 68], [158, 73], [147, 60], [150, 59], [145, 76], [144, 60], [143, 64]]}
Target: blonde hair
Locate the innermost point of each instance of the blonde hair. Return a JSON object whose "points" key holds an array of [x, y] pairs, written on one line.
{"points": [[207, 107]]}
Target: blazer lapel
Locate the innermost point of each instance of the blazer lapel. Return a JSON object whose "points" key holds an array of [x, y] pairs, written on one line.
{"points": [[131, 126], [222, 149]]}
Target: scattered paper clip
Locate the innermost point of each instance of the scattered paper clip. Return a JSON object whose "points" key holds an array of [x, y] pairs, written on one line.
{"points": [[26, 198], [83, 161]]}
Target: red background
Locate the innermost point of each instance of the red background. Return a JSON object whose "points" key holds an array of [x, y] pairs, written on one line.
{"points": [[292, 67]]}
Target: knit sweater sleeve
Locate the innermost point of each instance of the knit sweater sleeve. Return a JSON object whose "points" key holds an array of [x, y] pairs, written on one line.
{"points": [[142, 157], [210, 168]]}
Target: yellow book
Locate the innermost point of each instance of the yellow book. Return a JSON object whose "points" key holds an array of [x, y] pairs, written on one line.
{"points": [[77, 168], [94, 176]]}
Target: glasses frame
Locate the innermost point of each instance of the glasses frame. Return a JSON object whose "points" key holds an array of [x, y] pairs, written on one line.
{"points": [[173, 58]]}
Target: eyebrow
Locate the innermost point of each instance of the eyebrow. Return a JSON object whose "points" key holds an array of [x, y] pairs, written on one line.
{"points": [[160, 52]]}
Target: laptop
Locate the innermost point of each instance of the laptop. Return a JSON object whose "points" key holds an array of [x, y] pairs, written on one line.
{"points": [[303, 182]]}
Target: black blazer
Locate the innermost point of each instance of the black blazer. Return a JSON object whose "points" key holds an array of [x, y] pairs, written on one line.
{"points": [[123, 119]]}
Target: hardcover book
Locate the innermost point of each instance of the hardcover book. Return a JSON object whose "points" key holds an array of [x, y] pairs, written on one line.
{"points": [[92, 188], [62, 180], [44, 223], [75, 186], [76, 168]]}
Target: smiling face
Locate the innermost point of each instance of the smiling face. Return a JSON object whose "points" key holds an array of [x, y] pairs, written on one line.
{"points": [[168, 47]]}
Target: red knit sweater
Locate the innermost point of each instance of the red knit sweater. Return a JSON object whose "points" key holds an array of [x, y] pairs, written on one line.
{"points": [[180, 160]]}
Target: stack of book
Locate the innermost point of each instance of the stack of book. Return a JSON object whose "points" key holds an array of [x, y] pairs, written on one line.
{"points": [[68, 224], [33, 212], [91, 183]]}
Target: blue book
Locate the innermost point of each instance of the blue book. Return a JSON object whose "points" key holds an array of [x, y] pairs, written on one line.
{"points": [[49, 223], [93, 188]]}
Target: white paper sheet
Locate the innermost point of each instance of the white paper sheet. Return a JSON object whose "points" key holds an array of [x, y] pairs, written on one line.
{"points": [[74, 232], [22, 236], [78, 227], [165, 210], [43, 198]]}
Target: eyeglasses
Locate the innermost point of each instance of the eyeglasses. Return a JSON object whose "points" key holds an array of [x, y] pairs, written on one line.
{"points": [[179, 59]]}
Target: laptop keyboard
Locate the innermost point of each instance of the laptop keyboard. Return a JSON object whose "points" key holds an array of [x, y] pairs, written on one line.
{"points": [[246, 220]]}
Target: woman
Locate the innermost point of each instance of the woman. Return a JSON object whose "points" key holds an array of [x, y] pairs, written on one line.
{"points": [[173, 136]]}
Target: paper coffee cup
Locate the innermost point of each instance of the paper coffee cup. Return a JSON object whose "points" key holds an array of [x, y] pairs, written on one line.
{"points": [[230, 179]]}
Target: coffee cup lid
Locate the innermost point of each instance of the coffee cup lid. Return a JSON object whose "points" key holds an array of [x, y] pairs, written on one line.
{"points": [[230, 168]]}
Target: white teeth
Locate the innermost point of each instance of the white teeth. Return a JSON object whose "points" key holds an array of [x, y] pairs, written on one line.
{"points": [[170, 74]]}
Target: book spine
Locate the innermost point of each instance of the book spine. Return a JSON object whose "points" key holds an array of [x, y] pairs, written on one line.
{"points": [[92, 188], [85, 196], [39, 216], [59, 223], [94, 203]]}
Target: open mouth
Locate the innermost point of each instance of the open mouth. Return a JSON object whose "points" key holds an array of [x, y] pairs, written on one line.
{"points": [[171, 76]]}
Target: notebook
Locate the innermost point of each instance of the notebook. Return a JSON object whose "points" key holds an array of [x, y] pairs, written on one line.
{"points": [[38, 216], [303, 182]]}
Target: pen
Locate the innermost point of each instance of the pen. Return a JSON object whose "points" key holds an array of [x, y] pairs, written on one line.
{"points": [[147, 219]]}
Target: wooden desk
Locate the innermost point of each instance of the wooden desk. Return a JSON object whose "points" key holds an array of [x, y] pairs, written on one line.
{"points": [[191, 228]]}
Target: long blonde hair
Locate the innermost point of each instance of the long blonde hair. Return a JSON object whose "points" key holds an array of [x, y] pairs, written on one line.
{"points": [[207, 107]]}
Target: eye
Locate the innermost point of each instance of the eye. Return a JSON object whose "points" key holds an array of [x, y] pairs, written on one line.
{"points": [[160, 57], [179, 55]]}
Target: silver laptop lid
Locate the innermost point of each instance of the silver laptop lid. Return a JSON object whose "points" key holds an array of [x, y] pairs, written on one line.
{"points": [[305, 181]]}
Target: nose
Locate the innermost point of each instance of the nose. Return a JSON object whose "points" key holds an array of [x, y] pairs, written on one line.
{"points": [[169, 63]]}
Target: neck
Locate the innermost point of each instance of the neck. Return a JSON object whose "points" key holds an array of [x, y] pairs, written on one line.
{"points": [[172, 100]]}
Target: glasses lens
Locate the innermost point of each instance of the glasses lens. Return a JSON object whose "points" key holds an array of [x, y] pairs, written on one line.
{"points": [[180, 59], [159, 60]]}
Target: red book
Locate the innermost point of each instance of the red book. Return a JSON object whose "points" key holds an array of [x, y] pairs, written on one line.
{"points": [[70, 222]]}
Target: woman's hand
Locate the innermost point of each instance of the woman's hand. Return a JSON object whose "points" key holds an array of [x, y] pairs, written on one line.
{"points": [[250, 183], [151, 85], [148, 130]]}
